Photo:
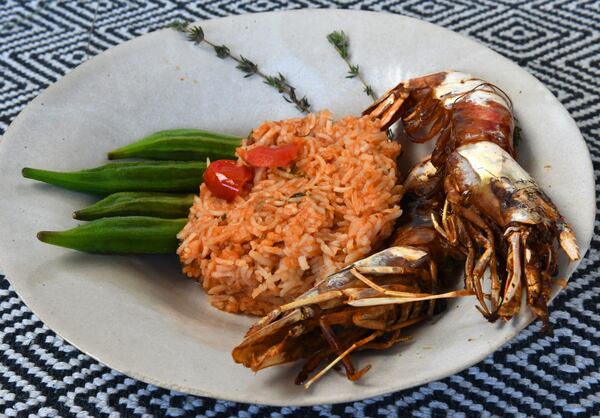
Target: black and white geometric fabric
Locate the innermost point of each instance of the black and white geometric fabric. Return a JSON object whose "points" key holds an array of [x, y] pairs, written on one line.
{"points": [[558, 41]]}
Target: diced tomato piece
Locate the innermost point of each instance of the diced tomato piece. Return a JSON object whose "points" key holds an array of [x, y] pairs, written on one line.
{"points": [[225, 179], [271, 157]]}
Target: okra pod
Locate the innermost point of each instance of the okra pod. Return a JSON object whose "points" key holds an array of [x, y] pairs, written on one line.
{"points": [[180, 144], [145, 176], [160, 205], [120, 235]]}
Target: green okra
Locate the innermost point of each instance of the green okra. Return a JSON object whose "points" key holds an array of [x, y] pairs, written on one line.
{"points": [[120, 235], [145, 176], [160, 205], [180, 144]]}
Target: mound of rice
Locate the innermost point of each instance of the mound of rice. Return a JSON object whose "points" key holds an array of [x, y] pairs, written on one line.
{"points": [[298, 224]]}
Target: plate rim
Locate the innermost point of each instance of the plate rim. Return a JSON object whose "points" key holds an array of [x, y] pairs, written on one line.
{"points": [[309, 400]]}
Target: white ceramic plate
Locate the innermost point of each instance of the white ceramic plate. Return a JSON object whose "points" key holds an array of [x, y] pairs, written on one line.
{"points": [[138, 314]]}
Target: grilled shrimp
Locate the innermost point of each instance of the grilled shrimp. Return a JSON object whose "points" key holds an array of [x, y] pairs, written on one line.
{"points": [[368, 304], [469, 203], [494, 212]]}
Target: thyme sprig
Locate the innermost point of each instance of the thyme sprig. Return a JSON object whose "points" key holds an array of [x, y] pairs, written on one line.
{"points": [[341, 43], [195, 34]]}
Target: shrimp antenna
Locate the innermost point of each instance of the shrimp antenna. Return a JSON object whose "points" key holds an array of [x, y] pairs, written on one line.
{"points": [[493, 87]]}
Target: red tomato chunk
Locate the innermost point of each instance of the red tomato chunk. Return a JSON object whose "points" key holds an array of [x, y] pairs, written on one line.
{"points": [[225, 179], [271, 157]]}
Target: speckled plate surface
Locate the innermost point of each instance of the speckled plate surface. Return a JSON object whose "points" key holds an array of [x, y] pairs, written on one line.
{"points": [[138, 314]]}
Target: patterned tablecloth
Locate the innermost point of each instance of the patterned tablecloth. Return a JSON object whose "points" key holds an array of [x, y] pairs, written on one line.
{"points": [[558, 41]]}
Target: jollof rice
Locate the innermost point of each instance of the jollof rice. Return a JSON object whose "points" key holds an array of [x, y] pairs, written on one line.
{"points": [[297, 224]]}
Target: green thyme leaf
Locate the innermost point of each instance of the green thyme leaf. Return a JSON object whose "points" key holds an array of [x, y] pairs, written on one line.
{"points": [[178, 25], [195, 34], [222, 51], [339, 40], [247, 66], [278, 81], [517, 136], [353, 72]]}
